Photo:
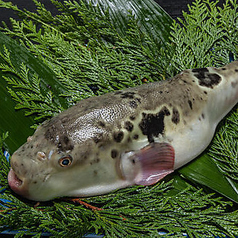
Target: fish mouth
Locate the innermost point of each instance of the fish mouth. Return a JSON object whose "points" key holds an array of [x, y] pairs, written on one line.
{"points": [[17, 184]]}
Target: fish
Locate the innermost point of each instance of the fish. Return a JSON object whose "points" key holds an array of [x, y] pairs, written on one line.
{"points": [[134, 136]]}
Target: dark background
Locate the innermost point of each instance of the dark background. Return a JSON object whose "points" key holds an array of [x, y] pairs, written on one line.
{"points": [[173, 7]]}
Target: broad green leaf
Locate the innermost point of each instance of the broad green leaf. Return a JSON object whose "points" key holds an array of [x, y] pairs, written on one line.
{"points": [[179, 184], [152, 19], [205, 171]]}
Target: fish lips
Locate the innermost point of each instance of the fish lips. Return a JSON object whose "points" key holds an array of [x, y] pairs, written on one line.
{"points": [[17, 184]]}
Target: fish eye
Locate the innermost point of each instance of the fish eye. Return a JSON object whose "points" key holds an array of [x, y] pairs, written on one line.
{"points": [[65, 161]]}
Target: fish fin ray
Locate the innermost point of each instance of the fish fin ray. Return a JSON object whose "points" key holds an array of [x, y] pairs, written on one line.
{"points": [[156, 161]]}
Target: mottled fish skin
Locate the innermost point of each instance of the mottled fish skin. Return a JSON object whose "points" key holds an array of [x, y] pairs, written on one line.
{"points": [[97, 132]]}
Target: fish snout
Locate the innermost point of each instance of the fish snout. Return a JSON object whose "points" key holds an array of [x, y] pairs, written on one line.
{"points": [[17, 177]]}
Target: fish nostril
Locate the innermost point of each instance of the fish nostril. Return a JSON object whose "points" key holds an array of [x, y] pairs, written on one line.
{"points": [[41, 155], [29, 139]]}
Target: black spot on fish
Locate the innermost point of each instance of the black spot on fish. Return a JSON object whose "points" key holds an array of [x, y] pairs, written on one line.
{"points": [[215, 79], [205, 92], [190, 104], [50, 133], [223, 68], [101, 124], [234, 84], [200, 73], [133, 104], [97, 138], [66, 139], [153, 124], [114, 153], [205, 78], [128, 126], [138, 100], [175, 116], [236, 70], [201, 70], [118, 136], [165, 111], [135, 137], [95, 161], [132, 118], [65, 143], [203, 116], [129, 95], [95, 172]]}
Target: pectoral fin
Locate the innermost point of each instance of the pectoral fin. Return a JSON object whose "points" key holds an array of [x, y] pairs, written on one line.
{"points": [[150, 164]]}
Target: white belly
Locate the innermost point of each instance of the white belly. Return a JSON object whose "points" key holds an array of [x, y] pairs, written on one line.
{"points": [[191, 141]]}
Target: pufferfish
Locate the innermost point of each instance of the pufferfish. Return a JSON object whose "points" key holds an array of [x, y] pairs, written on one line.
{"points": [[128, 137]]}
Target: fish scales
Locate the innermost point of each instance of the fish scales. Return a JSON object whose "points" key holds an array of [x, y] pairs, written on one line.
{"points": [[132, 136]]}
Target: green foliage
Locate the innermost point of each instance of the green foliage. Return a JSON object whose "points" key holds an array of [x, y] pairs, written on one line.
{"points": [[4, 164], [207, 36], [224, 149], [131, 212], [90, 58], [29, 96]]}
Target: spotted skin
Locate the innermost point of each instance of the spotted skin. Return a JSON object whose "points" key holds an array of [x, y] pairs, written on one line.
{"points": [[206, 78], [96, 133]]}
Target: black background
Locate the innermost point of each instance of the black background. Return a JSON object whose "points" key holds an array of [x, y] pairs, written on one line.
{"points": [[173, 7]]}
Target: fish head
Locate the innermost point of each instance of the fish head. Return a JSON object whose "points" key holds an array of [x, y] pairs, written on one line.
{"points": [[42, 169], [64, 160]]}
